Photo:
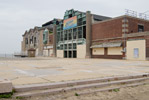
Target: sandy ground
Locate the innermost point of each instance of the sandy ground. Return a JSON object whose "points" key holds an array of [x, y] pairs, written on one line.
{"points": [[45, 70]]}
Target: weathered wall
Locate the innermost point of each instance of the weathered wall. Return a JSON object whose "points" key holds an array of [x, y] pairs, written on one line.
{"points": [[115, 51], [51, 52], [60, 53], [107, 29], [134, 22], [147, 46], [81, 51], [98, 51], [45, 53], [141, 45], [51, 39], [40, 44]]}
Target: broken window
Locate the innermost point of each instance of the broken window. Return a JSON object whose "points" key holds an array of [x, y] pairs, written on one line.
{"points": [[140, 28]]}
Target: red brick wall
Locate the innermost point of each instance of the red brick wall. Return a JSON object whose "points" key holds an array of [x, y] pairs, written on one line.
{"points": [[113, 28], [147, 46], [51, 39], [108, 29], [134, 22]]}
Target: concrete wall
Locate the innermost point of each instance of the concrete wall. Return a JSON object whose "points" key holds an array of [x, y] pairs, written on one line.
{"points": [[37, 52], [141, 45], [60, 53], [81, 51], [98, 51], [115, 51], [40, 44], [45, 53], [51, 52]]}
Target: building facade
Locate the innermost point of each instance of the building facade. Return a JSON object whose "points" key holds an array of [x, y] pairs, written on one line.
{"points": [[39, 40], [31, 40], [72, 33], [86, 35], [114, 38]]}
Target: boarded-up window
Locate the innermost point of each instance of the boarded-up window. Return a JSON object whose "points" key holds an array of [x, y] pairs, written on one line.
{"points": [[136, 53]]}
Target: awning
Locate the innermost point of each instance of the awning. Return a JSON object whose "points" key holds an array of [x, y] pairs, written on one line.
{"points": [[48, 47], [110, 44]]}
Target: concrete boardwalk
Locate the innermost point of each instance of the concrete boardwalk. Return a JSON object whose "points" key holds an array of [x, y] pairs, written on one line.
{"points": [[45, 70]]}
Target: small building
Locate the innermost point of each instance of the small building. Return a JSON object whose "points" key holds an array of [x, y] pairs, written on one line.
{"points": [[31, 52], [40, 39]]}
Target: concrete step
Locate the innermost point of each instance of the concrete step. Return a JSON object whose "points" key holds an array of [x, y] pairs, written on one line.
{"points": [[79, 87], [24, 88], [111, 89]]}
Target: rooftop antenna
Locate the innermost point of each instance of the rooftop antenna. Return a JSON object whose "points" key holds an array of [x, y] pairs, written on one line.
{"points": [[135, 14], [144, 15], [130, 13]]}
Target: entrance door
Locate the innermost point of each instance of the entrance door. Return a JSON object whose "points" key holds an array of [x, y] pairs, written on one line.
{"points": [[70, 54], [74, 54], [65, 54], [105, 51]]}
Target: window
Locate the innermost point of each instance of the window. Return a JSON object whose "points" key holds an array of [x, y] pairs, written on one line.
{"points": [[65, 46], [26, 40], [65, 36], [140, 28], [61, 36], [69, 36], [136, 52], [61, 47], [74, 33], [84, 32], [80, 32], [70, 46], [74, 46]]}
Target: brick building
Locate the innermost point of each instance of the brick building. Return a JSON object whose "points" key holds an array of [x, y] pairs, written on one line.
{"points": [[85, 35], [112, 38]]}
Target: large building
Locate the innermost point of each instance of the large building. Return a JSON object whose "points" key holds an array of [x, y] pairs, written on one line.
{"points": [[120, 38], [86, 35], [74, 34]]}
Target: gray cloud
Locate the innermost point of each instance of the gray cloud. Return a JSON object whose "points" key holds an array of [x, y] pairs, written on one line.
{"points": [[16, 16]]}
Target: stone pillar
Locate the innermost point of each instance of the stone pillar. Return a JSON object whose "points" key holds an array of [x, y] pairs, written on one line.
{"points": [[40, 44], [88, 34], [54, 41], [23, 45]]}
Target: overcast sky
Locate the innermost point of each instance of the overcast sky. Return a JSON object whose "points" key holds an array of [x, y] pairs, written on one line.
{"points": [[16, 16]]}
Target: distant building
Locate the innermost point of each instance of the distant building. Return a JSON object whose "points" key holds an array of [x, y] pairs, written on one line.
{"points": [[39, 39]]}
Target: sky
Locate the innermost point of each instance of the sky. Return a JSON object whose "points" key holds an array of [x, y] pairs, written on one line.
{"points": [[17, 16]]}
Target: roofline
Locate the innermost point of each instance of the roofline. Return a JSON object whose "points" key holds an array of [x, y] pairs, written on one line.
{"points": [[119, 18]]}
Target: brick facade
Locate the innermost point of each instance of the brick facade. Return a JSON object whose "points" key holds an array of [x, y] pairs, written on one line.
{"points": [[51, 39], [113, 30], [107, 29]]}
